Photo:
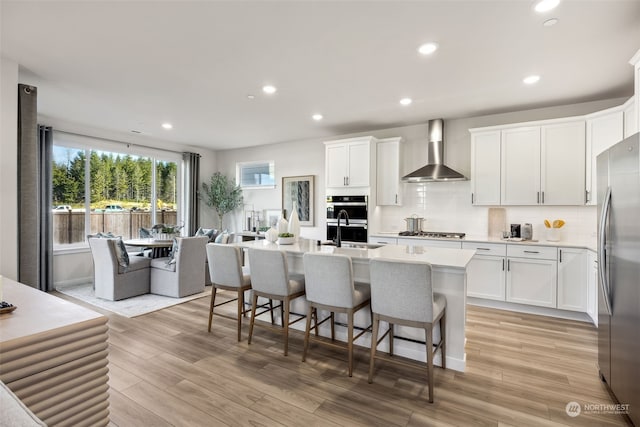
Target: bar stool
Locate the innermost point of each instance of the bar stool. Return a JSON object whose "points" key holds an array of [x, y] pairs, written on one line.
{"points": [[330, 286], [271, 279], [402, 294], [225, 267]]}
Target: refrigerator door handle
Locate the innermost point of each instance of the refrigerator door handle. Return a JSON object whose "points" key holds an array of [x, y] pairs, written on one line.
{"points": [[602, 236]]}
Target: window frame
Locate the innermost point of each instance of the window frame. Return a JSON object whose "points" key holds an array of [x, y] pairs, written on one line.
{"points": [[88, 144], [271, 164]]}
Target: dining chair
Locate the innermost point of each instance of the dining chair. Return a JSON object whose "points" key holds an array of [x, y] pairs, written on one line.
{"points": [[330, 286], [402, 294], [270, 278]]}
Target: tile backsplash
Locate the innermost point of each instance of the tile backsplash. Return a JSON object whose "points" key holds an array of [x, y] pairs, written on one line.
{"points": [[446, 206]]}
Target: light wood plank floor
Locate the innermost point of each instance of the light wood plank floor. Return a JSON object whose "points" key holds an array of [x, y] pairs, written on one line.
{"points": [[522, 370]]}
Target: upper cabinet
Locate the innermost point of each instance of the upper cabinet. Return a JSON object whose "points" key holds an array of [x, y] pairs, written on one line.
{"points": [[485, 168], [604, 129], [348, 162], [388, 172], [542, 164]]}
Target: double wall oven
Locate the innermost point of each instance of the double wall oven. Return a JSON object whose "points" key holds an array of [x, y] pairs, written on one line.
{"points": [[356, 208]]}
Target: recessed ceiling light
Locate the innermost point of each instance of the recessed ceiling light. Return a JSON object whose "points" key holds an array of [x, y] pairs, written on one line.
{"points": [[317, 117], [550, 22], [269, 89], [546, 5], [406, 101], [167, 126], [531, 79], [251, 96], [428, 48]]}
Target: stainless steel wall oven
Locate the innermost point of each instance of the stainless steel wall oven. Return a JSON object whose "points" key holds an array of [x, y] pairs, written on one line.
{"points": [[356, 208]]}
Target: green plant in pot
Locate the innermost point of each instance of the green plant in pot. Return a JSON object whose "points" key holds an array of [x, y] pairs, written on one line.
{"points": [[222, 194]]}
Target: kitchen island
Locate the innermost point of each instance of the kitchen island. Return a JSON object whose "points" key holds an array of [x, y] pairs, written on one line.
{"points": [[449, 278]]}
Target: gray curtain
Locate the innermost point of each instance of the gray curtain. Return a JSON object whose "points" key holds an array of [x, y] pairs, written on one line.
{"points": [[35, 238], [191, 162]]}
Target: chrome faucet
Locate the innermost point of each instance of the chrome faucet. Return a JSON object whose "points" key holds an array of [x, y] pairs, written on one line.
{"points": [[338, 233]]}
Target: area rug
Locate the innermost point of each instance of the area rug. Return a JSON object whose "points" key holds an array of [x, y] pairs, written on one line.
{"points": [[130, 307]]}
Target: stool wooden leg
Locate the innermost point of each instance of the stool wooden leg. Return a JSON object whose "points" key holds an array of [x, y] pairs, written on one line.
{"points": [[350, 341], [333, 326], [391, 339], [285, 324], [375, 321], [240, 312], [307, 331], [254, 304], [213, 301], [429, 344]]}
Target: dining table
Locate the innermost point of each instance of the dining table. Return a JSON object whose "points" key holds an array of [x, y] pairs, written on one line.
{"points": [[159, 248]]}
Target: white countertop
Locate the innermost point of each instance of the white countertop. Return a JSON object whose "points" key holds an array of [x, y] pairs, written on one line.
{"points": [[590, 244], [439, 257]]}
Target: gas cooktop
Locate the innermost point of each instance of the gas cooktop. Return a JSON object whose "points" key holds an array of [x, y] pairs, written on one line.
{"points": [[433, 234]]}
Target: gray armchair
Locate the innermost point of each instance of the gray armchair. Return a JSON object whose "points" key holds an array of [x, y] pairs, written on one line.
{"points": [[113, 281], [185, 273]]}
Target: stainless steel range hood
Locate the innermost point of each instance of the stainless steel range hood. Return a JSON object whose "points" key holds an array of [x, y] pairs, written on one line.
{"points": [[435, 170]]}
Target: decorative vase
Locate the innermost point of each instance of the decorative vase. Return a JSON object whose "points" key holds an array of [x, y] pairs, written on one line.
{"points": [[271, 235], [283, 226], [294, 222]]}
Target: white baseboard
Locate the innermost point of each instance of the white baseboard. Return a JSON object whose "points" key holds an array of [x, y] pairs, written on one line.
{"points": [[530, 309], [73, 282]]}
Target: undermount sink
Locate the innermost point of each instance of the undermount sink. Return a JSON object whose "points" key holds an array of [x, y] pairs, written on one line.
{"points": [[355, 245]]}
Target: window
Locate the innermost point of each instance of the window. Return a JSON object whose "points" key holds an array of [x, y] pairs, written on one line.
{"points": [[256, 174], [110, 188]]}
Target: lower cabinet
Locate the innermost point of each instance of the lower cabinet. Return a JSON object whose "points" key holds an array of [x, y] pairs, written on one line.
{"points": [[532, 275], [383, 240], [451, 244], [531, 281], [486, 271], [572, 279]]}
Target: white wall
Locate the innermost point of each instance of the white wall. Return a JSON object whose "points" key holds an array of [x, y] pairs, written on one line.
{"points": [[9, 167], [445, 205]]}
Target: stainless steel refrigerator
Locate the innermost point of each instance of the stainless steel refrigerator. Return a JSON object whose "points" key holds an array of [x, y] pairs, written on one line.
{"points": [[619, 272]]}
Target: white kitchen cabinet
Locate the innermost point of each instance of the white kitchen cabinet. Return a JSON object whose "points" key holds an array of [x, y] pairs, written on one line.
{"points": [[531, 276], [562, 173], [635, 61], [520, 166], [383, 240], [348, 162], [572, 279], [485, 168], [451, 244], [486, 271], [388, 172], [604, 129], [630, 119]]}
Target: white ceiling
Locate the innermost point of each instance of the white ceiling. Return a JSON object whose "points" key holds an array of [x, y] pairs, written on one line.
{"points": [[123, 65]]}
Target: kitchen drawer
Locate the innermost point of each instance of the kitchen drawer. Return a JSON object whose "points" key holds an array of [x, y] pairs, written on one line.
{"points": [[495, 249], [531, 251], [440, 243], [383, 240]]}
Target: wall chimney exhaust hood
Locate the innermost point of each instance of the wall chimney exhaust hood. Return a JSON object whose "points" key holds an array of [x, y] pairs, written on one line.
{"points": [[435, 170]]}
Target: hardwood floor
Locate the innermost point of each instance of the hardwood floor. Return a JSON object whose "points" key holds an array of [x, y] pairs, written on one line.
{"points": [[522, 370]]}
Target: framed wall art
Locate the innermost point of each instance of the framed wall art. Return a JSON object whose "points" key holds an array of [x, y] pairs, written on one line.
{"points": [[298, 191]]}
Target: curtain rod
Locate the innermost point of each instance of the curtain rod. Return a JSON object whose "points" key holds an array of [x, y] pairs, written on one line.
{"points": [[128, 144]]}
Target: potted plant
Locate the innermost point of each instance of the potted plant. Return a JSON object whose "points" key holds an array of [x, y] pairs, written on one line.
{"points": [[221, 194]]}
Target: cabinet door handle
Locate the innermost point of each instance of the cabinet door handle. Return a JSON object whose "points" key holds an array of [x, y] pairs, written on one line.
{"points": [[538, 200], [508, 265], [560, 255], [347, 180], [344, 180], [471, 198], [531, 252], [483, 249], [502, 264], [396, 199], [543, 197], [587, 197]]}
